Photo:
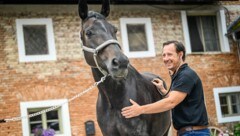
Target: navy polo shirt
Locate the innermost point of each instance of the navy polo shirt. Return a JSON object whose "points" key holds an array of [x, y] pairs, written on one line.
{"points": [[191, 111]]}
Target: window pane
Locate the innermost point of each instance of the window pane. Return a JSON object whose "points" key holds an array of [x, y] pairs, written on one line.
{"points": [[234, 104], [52, 120], [203, 33], [224, 106], [35, 39], [52, 115], [194, 33], [223, 100], [137, 37], [36, 118], [234, 99], [35, 127], [234, 109], [224, 110], [210, 32], [53, 125]]}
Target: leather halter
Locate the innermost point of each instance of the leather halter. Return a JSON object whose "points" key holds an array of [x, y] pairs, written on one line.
{"points": [[96, 50]]}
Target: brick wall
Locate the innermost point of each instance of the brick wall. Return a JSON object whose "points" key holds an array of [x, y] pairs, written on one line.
{"points": [[70, 74]]}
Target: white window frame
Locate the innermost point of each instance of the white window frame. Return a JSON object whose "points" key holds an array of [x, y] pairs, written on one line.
{"points": [[222, 29], [24, 106], [149, 34], [50, 40], [217, 92]]}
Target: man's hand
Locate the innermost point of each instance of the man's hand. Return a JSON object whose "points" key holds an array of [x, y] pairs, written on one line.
{"points": [[133, 110], [159, 84]]}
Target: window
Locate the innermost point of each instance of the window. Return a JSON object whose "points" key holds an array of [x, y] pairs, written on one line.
{"points": [[227, 100], [205, 32], [57, 119], [35, 40], [45, 120], [137, 37]]}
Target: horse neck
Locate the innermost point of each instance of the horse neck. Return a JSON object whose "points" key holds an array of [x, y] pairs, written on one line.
{"points": [[109, 85], [112, 91]]}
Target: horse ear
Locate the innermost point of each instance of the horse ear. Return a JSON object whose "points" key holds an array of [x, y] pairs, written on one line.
{"points": [[105, 8], [82, 9]]}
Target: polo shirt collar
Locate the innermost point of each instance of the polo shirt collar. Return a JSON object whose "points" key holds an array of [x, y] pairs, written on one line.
{"points": [[180, 69]]}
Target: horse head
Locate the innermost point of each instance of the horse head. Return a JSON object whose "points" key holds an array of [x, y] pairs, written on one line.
{"points": [[99, 42]]}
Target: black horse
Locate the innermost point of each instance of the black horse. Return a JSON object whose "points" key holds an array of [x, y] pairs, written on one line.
{"points": [[103, 53]]}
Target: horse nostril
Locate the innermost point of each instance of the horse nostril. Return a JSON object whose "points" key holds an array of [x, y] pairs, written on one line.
{"points": [[115, 62], [120, 63]]}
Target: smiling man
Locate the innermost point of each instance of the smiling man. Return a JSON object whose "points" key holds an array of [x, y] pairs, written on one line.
{"points": [[185, 99]]}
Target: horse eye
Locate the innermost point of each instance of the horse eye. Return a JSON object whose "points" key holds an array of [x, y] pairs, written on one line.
{"points": [[89, 33]]}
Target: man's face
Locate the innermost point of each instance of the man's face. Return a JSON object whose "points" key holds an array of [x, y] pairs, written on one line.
{"points": [[171, 58]]}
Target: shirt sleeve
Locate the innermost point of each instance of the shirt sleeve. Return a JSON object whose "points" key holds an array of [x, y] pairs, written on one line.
{"points": [[183, 83]]}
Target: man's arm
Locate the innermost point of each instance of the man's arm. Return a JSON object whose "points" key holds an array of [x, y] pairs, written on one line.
{"points": [[173, 99]]}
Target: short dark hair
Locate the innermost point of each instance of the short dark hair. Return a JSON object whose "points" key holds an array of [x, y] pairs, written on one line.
{"points": [[179, 47]]}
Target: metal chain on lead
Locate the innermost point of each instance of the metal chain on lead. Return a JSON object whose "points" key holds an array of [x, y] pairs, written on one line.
{"points": [[55, 107]]}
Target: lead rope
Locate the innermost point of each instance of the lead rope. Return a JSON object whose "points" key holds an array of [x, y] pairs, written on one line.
{"points": [[54, 107]]}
